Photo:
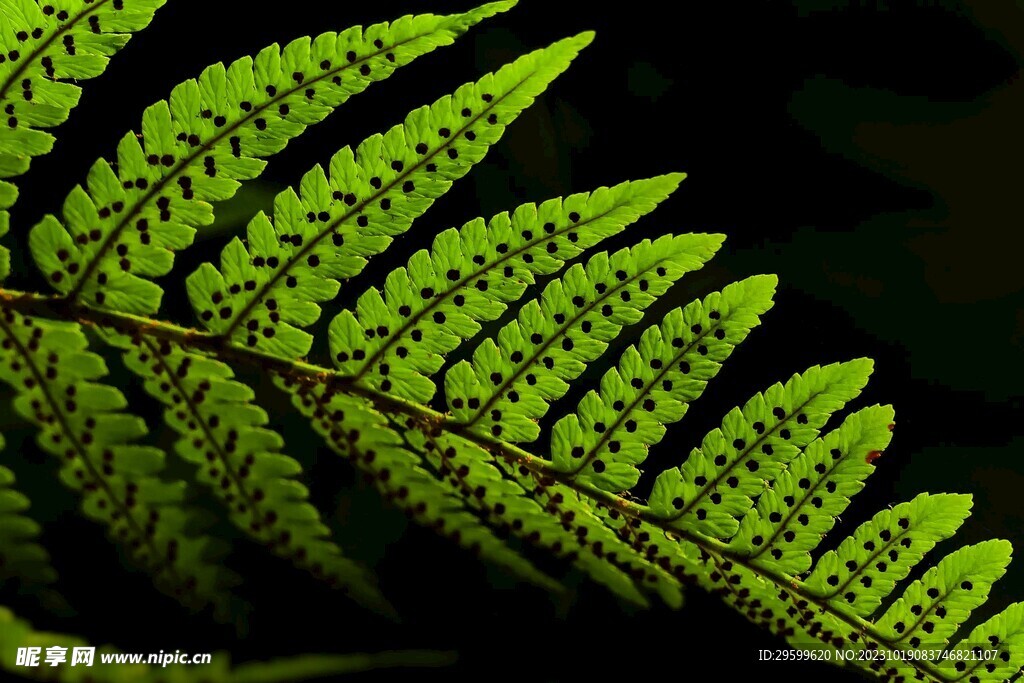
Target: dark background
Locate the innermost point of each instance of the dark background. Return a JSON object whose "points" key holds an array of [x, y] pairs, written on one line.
{"points": [[868, 153]]}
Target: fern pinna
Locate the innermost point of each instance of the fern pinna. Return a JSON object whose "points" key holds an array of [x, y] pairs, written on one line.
{"points": [[742, 515]]}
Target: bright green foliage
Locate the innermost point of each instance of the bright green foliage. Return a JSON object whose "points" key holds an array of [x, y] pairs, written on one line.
{"points": [[866, 566], [45, 49], [806, 498], [197, 147], [378, 450], [1004, 633], [469, 276], [16, 633], [21, 556], [83, 423], [654, 384], [225, 435], [510, 381], [717, 483], [932, 608], [741, 516], [262, 296]]}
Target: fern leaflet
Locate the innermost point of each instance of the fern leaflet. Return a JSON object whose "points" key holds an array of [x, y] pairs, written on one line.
{"points": [[716, 483], [225, 435], [391, 465], [654, 384], [262, 297], [396, 339], [44, 51], [22, 558], [197, 147], [82, 423], [510, 381]]}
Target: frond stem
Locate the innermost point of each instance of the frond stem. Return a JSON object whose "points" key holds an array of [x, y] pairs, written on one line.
{"points": [[60, 309]]}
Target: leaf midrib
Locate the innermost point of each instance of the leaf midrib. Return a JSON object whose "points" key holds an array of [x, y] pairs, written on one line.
{"points": [[44, 45], [747, 451], [308, 245], [526, 365], [644, 393], [124, 510], [204, 147], [43, 307], [437, 300]]}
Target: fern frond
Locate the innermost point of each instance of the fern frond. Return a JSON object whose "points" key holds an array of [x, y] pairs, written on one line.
{"points": [[933, 607], [198, 146], [22, 558], [803, 502], [601, 542], [654, 384], [510, 381], [469, 276], [83, 423], [716, 484], [17, 633], [225, 436], [866, 566], [45, 50], [263, 296], [390, 465], [1003, 632], [523, 505]]}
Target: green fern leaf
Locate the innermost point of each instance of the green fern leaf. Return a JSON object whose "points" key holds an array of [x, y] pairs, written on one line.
{"points": [[83, 423], [376, 449], [782, 610], [654, 384], [469, 276], [555, 524], [510, 381], [600, 541], [1003, 633], [8, 195], [804, 501], [717, 482], [21, 556], [197, 147], [932, 608], [225, 435], [44, 52], [262, 297], [866, 566]]}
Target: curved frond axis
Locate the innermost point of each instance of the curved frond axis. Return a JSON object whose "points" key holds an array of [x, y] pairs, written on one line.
{"points": [[263, 296], [197, 147], [389, 463]]}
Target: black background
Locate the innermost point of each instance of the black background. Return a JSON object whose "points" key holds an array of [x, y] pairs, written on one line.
{"points": [[868, 153]]}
